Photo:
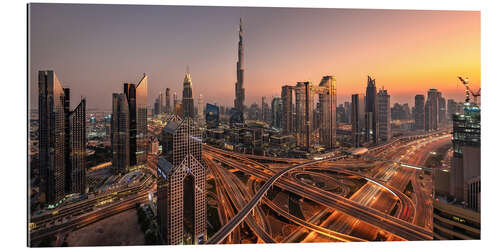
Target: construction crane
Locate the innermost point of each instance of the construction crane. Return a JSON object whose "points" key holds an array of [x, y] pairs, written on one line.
{"points": [[468, 90]]}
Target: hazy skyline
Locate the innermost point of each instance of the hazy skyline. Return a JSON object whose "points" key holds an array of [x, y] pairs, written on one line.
{"points": [[94, 49]]}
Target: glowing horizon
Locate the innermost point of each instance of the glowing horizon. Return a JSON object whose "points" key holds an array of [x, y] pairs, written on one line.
{"points": [[94, 49]]}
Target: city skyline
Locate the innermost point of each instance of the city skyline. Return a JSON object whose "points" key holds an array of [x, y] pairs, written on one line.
{"points": [[438, 41]]}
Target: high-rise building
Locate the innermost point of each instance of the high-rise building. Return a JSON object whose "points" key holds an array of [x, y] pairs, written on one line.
{"points": [[328, 111], [120, 134], [78, 149], [358, 119], [142, 120], [287, 100], [300, 109], [200, 107], [51, 113], [341, 114], [168, 108], [160, 97], [239, 101], [212, 116], [277, 112], [187, 97], [452, 109], [62, 141], [182, 191], [156, 107], [419, 112], [175, 101], [432, 110], [371, 112], [442, 109], [384, 115], [137, 96], [347, 107], [466, 161]]}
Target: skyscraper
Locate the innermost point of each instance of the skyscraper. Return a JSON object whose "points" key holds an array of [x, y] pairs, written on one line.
{"points": [[162, 109], [239, 101], [52, 137], [347, 107], [78, 149], [187, 97], [287, 99], [442, 109], [168, 108], [182, 184], [419, 112], [371, 112], [120, 134], [432, 110], [277, 110], [212, 116], [137, 105], [328, 111], [384, 114], [452, 109], [200, 107], [466, 161], [358, 119]]}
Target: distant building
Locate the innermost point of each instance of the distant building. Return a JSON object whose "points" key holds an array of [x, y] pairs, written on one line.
{"points": [[182, 191], [200, 107], [357, 119], [347, 107], [452, 109], [168, 108], [419, 112], [120, 134], [327, 92], [239, 101], [432, 110], [287, 100], [187, 97], [277, 111], [442, 109], [137, 106], [371, 112], [384, 115], [212, 116]]}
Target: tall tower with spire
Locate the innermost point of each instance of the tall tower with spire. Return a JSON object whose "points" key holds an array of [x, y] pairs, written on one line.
{"points": [[187, 97], [239, 90]]}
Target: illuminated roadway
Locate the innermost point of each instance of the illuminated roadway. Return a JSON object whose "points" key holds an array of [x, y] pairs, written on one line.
{"points": [[371, 216]]}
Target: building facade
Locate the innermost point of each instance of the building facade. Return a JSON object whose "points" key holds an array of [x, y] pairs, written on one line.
{"points": [[432, 110], [78, 149], [419, 112], [187, 97], [168, 108], [120, 134], [371, 112], [277, 112], [466, 161], [239, 101], [52, 137], [182, 184], [384, 115], [358, 119]]}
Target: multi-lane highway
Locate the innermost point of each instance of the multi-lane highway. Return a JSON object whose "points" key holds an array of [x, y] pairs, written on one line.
{"points": [[372, 216]]}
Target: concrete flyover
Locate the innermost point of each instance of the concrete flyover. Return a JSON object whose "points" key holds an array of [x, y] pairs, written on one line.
{"points": [[242, 214]]}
